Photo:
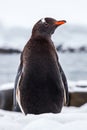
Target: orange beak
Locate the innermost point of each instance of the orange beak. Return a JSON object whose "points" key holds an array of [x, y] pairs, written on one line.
{"points": [[60, 22]]}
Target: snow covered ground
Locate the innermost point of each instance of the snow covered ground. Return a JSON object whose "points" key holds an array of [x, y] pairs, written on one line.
{"points": [[71, 118]]}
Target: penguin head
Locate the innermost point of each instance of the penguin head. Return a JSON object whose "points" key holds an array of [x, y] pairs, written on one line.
{"points": [[46, 26]]}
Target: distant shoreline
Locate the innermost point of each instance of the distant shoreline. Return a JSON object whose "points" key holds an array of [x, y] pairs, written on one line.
{"points": [[59, 48], [9, 51]]}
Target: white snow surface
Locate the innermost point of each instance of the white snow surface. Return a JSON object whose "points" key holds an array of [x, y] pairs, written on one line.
{"points": [[71, 118]]}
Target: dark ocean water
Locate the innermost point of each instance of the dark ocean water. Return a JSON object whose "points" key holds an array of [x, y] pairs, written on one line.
{"points": [[73, 64], [8, 67]]}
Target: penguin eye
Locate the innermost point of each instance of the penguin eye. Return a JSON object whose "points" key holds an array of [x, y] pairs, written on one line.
{"points": [[46, 24]]}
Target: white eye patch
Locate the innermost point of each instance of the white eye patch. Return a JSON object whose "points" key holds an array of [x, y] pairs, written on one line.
{"points": [[43, 20]]}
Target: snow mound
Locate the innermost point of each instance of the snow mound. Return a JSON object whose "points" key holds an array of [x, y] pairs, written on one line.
{"points": [[77, 86], [71, 118]]}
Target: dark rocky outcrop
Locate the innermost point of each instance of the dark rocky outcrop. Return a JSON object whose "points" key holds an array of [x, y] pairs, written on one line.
{"points": [[77, 98], [72, 50], [60, 48], [82, 49], [9, 51], [6, 99]]}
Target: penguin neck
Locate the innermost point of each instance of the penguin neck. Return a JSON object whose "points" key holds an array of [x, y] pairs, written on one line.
{"points": [[41, 36]]}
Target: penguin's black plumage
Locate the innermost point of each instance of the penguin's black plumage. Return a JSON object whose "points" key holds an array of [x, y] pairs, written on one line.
{"points": [[41, 85]]}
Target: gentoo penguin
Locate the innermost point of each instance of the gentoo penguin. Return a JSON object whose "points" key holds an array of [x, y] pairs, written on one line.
{"points": [[41, 85]]}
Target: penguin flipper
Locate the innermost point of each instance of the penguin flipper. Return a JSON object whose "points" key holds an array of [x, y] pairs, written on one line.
{"points": [[65, 84], [19, 73]]}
